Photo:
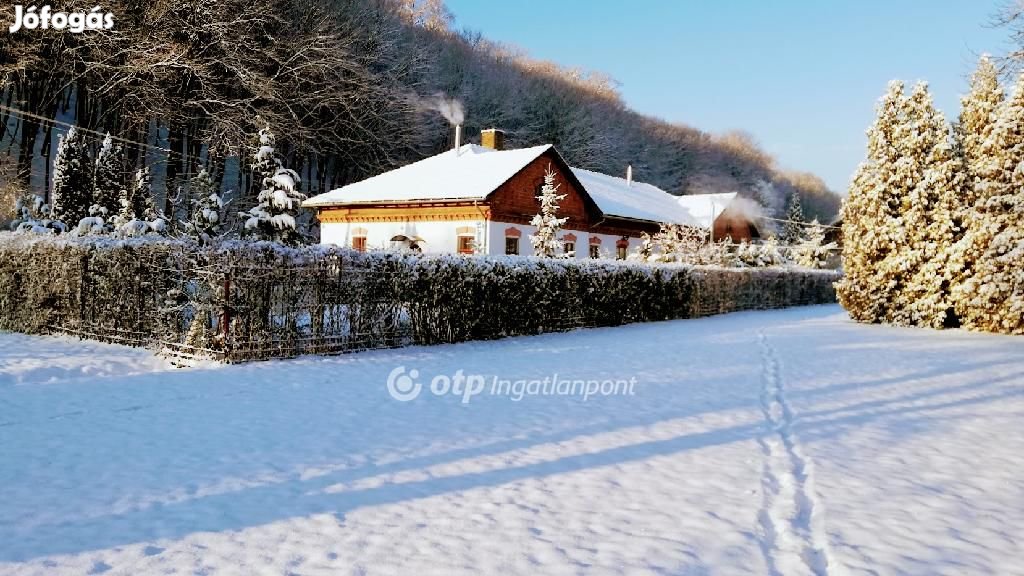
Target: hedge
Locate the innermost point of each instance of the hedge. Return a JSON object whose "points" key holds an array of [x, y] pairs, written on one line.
{"points": [[241, 301]]}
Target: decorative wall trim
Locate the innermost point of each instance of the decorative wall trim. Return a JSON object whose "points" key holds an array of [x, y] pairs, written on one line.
{"points": [[513, 232]]}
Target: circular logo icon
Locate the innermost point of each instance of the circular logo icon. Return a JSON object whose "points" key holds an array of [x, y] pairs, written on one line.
{"points": [[404, 387]]}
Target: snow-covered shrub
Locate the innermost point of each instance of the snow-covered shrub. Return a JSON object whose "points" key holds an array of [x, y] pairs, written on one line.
{"points": [[546, 241], [768, 253], [33, 218], [275, 216]]}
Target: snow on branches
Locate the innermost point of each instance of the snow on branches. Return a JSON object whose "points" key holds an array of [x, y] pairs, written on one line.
{"points": [[276, 213], [546, 241]]}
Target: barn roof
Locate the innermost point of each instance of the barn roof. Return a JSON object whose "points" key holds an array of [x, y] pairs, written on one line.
{"points": [[634, 200], [469, 174], [704, 208]]}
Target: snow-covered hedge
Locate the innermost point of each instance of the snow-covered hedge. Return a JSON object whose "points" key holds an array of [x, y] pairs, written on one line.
{"points": [[242, 301]]}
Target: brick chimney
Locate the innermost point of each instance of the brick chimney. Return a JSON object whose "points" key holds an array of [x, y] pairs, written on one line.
{"points": [[492, 138]]}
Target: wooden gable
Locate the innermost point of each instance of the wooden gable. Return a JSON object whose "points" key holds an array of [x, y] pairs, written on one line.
{"points": [[516, 200]]}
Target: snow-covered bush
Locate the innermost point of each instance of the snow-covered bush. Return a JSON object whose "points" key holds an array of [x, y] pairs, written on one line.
{"points": [[768, 253], [33, 218], [546, 241], [275, 216]]}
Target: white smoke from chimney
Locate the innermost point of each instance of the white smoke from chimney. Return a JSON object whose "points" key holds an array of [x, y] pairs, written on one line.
{"points": [[450, 108]]}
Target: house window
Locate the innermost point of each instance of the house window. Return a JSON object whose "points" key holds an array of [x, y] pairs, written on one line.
{"points": [[620, 248], [511, 245], [570, 248], [595, 250], [359, 243], [466, 245]]}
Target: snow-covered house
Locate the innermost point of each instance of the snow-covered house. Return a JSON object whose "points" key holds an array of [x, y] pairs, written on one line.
{"points": [[480, 199], [724, 214]]}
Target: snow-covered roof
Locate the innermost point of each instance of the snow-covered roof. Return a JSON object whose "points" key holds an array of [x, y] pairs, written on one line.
{"points": [[639, 201], [704, 208], [469, 174]]}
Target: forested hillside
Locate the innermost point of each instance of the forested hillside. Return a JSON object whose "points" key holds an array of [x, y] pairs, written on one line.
{"points": [[350, 87]]}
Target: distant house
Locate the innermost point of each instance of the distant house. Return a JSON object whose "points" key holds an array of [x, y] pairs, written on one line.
{"points": [[481, 198], [722, 214]]}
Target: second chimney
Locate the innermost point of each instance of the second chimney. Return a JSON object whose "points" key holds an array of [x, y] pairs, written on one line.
{"points": [[492, 138]]}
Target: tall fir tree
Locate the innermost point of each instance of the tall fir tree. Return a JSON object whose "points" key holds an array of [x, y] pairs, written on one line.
{"points": [[794, 228], [108, 180], [72, 179], [991, 296], [276, 214], [872, 229], [979, 109], [927, 216], [546, 241]]}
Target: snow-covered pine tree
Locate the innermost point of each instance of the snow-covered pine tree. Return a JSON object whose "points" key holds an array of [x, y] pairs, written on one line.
{"points": [[108, 180], [546, 241], [928, 217], [72, 179], [992, 295], [872, 229], [812, 251], [207, 209], [136, 215], [794, 228], [275, 216]]}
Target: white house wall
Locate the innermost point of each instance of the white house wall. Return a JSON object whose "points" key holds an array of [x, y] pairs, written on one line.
{"points": [[441, 236]]}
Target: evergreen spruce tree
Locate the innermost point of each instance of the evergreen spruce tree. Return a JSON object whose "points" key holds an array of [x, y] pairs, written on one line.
{"points": [[72, 180], [108, 181], [207, 210], [992, 295], [546, 241], [812, 251], [275, 216], [872, 228], [794, 228]]}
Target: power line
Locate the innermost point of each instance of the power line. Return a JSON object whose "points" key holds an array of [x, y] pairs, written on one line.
{"points": [[24, 114]]}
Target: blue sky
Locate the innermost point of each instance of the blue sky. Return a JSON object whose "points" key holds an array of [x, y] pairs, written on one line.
{"points": [[802, 76]]}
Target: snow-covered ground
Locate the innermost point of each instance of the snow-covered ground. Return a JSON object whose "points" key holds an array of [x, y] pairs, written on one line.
{"points": [[788, 442]]}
